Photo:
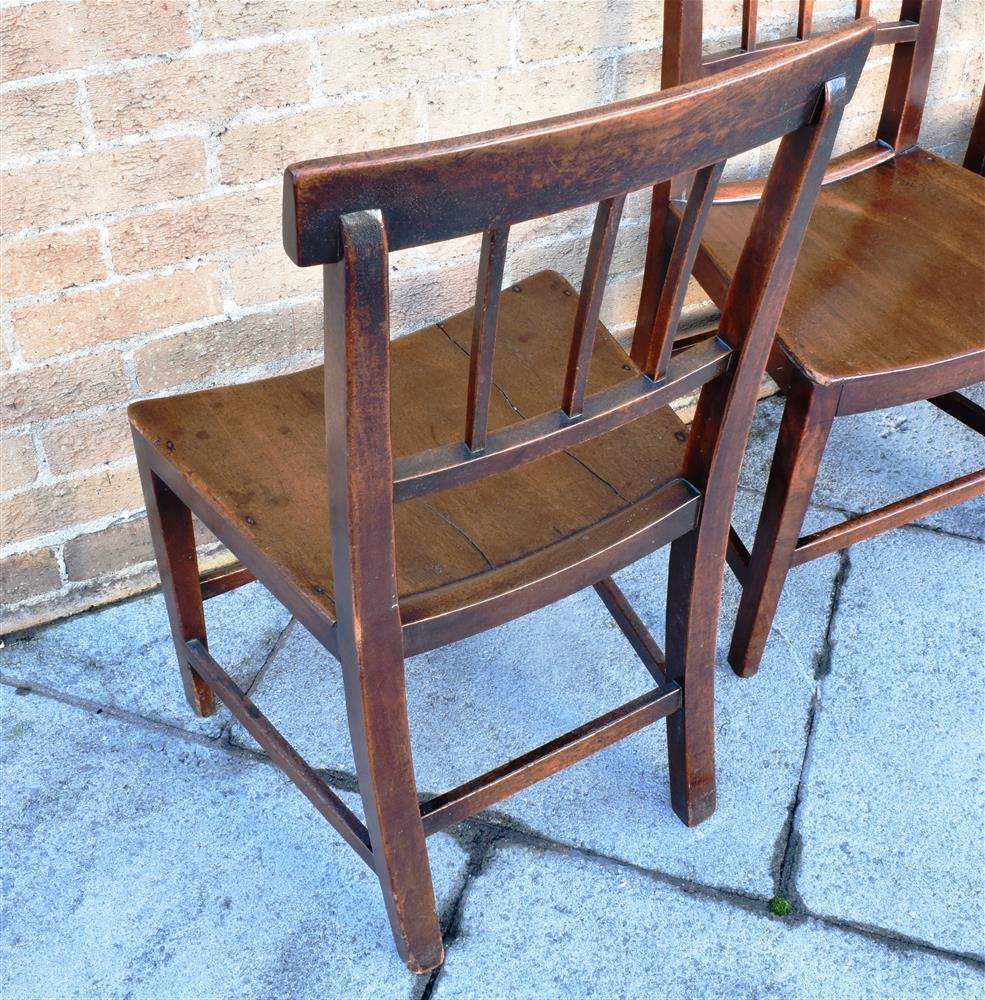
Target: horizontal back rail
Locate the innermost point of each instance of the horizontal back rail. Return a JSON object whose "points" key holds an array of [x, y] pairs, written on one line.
{"points": [[442, 190], [537, 437]]}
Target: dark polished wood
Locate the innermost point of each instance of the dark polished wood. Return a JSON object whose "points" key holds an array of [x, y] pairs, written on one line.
{"points": [[886, 307], [408, 494]]}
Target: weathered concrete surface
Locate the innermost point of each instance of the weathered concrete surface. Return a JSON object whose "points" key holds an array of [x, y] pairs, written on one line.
{"points": [[488, 698], [122, 655], [892, 819], [555, 925], [159, 859], [137, 864], [877, 458]]}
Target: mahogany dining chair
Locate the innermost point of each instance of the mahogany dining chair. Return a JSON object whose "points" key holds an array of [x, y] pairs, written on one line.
{"points": [[887, 306], [408, 494]]}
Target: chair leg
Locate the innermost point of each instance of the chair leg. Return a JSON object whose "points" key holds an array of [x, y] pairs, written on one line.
{"points": [[376, 701], [807, 417], [692, 617], [177, 562]]}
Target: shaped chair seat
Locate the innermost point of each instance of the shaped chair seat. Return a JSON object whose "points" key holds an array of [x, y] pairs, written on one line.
{"points": [[593, 508], [905, 232]]}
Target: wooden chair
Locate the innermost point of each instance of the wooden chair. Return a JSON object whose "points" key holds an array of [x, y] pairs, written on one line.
{"points": [[886, 307], [455, 494]]}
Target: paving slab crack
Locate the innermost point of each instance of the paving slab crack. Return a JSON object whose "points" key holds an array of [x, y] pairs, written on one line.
{"points": [[226, 731], [482, 834], [482, 840], [789, 844]]}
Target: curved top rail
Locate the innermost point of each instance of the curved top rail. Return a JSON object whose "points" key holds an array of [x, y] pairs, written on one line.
{"points": [[441, 190]]}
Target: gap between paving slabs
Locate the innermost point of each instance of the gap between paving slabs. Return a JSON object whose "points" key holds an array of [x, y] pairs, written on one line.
{"points": [[479, 835]]}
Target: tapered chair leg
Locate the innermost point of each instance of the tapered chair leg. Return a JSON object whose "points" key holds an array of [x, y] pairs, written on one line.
{"points": [[804, 430], [692, 615], [173, 536], [376, 701]]}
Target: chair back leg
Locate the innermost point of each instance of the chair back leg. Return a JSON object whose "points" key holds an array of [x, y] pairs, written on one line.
{"points": [[808, 414], [173, 537], [691, 630], [376, 702]]}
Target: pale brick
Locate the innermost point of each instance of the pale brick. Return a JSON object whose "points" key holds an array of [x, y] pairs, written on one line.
{"points": [[202, 87], [512, 98], [268, 275], [115, 548], [871, 89], [75, 501], [17, 464], [947, 75], [114, 179], [555, 30], [39, 118], [207, 353], [54, 390], [27, 575], [87, 443], [637, 73], [263, 149], [170, 235], [422, 49], [235, 18], [44, 37], [116, 311], [50, 262], [418, 298]]}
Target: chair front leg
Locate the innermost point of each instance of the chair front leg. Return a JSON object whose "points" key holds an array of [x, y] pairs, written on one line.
{"points": [[376, 702], [173, 537], [808, 414]]}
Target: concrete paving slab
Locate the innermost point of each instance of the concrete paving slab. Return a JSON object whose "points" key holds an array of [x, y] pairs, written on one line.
{"points": [[892, 817], [877, 458], [138, 864], [564, 926], [122, 655], [481, 701]]}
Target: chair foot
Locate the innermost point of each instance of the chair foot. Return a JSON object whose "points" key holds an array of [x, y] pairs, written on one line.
{"points": [[695, 805], [746, 653]]}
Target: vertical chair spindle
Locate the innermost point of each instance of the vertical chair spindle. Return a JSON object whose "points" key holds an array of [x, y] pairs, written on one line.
{"points": [[805, 18], [590, 303], [487, 294], [749, 24], [654, 339]]}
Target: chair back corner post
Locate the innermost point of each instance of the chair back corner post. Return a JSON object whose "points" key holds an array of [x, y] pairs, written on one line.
{"points": [[370, 635], [909, 77], [751, 311]]}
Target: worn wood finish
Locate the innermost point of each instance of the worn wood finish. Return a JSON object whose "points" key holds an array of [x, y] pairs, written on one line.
{"points": [[590, 304], [173, 537], [472, 796], [442, 190], [489, 288], [885, 308], [456, 493], [281, 752]]}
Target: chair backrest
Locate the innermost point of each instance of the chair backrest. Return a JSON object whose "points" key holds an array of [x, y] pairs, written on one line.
{"points": [[913, 37], [347, 212]]}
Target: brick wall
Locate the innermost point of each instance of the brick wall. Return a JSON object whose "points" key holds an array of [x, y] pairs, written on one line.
{"points": [[143, 143]]}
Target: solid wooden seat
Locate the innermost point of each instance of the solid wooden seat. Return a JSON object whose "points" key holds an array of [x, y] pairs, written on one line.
{"points": [[276, 486], [501, 460], [914, 226]]}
